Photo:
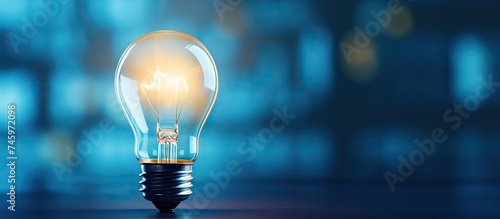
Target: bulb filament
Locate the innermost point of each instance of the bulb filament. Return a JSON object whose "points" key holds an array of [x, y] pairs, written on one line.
{"points": [[167, 137]]}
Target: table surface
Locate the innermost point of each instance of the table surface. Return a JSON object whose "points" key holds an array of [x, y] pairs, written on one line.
{"points": [[280, 200]]}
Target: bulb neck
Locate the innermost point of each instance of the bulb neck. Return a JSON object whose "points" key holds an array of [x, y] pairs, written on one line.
{"points": [[166, 185], [167, 145]]}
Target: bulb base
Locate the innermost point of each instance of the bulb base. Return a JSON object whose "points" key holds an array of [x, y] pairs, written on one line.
{"points": [[166, 185]]}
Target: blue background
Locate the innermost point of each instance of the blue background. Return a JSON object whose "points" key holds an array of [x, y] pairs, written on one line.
{"points": [[353, 120]]}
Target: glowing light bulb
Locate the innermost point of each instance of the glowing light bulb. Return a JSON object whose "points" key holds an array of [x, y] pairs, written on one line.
{"points": [[166, 83]]}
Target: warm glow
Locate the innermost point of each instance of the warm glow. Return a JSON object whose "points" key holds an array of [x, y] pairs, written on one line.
{"points": [[173, 81], [164, 85]]}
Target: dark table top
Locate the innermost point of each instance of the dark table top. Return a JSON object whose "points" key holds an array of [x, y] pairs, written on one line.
{"points": [[278, 200]]}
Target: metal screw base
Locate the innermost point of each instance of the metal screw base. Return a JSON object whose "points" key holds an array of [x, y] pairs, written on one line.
{"points": [[166, 185]]}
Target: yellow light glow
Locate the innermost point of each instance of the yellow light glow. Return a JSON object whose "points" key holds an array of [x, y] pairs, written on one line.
{"points": [[163, 91], [174, 82]]}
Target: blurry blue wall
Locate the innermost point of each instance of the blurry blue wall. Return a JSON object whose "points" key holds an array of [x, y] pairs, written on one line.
{"points": [[352, 121]]}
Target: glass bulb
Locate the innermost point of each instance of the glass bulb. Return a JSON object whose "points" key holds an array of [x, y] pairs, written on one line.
{"points": [[166, 83]]}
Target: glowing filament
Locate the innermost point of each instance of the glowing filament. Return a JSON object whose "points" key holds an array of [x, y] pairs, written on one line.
{"points": [[177, 82]]}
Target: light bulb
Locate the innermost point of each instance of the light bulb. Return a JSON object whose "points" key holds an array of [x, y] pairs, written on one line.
{"points": [[166, 83]]}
